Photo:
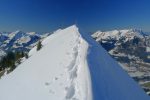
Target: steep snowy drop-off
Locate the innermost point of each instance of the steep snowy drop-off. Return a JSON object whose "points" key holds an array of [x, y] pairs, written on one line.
{"points": [[70, 66]]}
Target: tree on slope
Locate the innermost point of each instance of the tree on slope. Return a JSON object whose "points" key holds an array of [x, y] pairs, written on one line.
{"points": [[39, 46]]}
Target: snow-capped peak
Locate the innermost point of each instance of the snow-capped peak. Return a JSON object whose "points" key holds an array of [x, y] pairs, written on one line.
{"points": [[70, 66], [17, 34], [19, 40], [31, 33], [117, 34]]}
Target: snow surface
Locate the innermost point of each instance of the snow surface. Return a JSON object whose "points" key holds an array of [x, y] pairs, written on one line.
{"points": [[70, 66]]}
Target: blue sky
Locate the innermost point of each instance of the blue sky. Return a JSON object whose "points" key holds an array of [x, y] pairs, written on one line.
{"points": [[90, 15]]}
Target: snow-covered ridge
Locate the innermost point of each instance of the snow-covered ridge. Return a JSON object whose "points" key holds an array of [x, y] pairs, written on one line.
{"points": [[70, 66]]}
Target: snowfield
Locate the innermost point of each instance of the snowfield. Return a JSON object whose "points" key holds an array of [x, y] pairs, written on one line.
{"points": [[70, 66]]}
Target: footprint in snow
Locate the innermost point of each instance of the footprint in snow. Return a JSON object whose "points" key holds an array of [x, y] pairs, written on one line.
{"points": [[68, 53], [51, 91], [47, 83], [75, 99], [61, 84], [60, 63], [70, 92], [56, 78], [61, 74]]}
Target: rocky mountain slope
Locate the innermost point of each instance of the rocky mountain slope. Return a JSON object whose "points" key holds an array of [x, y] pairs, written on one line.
{"points": [[131, 48], [19, 41], [2, 53]]}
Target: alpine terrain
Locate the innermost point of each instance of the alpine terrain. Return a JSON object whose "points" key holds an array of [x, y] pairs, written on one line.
{"points": [[19, 41], [131, 48], [69, 66]]}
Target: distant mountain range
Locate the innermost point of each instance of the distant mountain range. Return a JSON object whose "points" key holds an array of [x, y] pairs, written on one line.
{"points": [[19, 40], [131, 48]]}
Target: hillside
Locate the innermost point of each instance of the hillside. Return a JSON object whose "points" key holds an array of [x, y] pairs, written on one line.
{"points": [[70, 66], [19, 41], [131, 49]]}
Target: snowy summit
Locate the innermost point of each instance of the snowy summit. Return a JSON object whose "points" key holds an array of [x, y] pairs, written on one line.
{"points": [[69, 66]]}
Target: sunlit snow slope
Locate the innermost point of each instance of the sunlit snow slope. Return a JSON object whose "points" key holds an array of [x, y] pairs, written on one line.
{"points": [[70, 66]]}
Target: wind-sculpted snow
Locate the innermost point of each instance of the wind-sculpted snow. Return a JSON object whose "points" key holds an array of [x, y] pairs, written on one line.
{"points": [[70, 66]]}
